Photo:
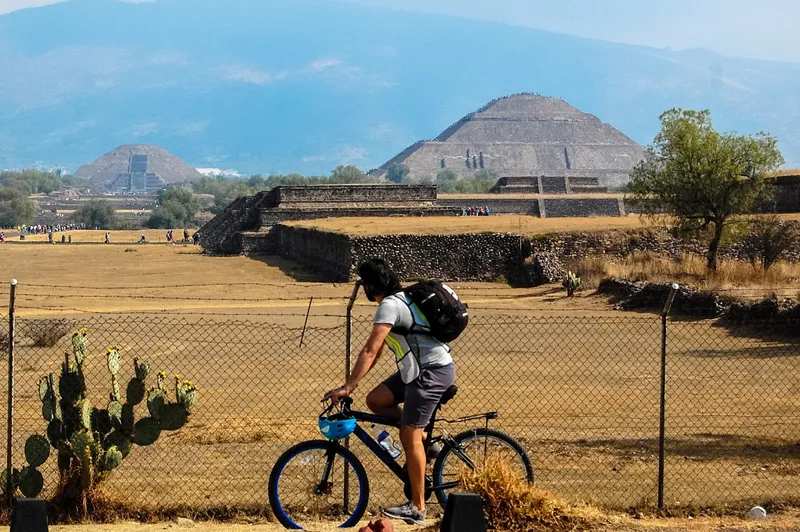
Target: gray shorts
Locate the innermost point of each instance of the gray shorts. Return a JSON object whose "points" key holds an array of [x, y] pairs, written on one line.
{"points": [[422, 395]]}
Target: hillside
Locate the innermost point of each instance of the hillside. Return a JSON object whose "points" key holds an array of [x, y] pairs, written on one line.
{"points": [[302, 85]]}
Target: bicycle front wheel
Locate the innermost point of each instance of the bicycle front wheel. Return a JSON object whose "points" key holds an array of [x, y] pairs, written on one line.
{"points": [[307, 486], [472, 449]]}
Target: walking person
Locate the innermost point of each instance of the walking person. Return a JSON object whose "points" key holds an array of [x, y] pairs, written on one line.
{"points": [[425, 370]]}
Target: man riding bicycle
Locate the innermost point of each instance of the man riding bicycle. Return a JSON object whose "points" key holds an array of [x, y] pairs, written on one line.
{"points": [[425, 370]]}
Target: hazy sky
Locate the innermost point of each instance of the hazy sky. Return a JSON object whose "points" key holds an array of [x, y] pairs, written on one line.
{"points": [[763, 29]]}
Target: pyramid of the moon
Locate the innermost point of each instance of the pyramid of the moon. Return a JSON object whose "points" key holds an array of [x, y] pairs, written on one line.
{"points": [[137, 167], [525, 135]]}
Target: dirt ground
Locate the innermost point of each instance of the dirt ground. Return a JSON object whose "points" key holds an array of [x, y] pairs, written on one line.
{"points": [[575, 380], [525, 225], [789, 521]]}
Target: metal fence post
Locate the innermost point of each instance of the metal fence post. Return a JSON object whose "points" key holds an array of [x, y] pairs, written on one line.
{"points": [[347, 363], [662, 426], [10, 420]]}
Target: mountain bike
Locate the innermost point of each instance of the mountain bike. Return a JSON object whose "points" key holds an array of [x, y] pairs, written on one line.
{"points": [[324, 480]]}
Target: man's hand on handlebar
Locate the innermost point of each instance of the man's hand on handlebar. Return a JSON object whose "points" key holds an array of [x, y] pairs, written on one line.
{"points": [[338, 394]]}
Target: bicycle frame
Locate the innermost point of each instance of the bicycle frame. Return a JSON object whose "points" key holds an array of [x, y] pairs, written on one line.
{"points": [[399, 471]]}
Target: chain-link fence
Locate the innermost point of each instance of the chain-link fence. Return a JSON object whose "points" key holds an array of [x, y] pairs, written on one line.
{"points": [[582, 392]]}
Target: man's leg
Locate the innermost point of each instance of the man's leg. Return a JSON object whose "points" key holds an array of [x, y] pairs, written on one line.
{"points": [[411, 438], [385, 399]]}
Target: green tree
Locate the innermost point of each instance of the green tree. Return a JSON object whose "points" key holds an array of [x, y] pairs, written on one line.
{"points": [[97, 213], [161, 218], [349, 175], [15, 208], [703, 178], [446, 176], [31, 181], [179, 203], [397, 172]]}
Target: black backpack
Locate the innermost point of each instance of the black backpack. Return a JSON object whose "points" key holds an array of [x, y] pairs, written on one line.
{"points": [[446, 313]]}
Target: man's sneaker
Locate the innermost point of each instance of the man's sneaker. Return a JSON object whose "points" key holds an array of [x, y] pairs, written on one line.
{"points": [[407, 512], [433, 451]]}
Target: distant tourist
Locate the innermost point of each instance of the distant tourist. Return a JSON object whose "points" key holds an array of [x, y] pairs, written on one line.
{"points": [[185, 235], [142, 240], [196, 238], [107, 239], [2, 237]]}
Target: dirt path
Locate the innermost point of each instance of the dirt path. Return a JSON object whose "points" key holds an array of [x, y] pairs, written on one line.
{"points": [[789, 521]]}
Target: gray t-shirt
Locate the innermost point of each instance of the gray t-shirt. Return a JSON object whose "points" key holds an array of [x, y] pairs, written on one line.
{"points": [[427, 351]]}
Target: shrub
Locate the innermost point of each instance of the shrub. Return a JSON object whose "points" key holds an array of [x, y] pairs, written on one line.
{"points": [[47, 333], [769, 239], [514, 505]]}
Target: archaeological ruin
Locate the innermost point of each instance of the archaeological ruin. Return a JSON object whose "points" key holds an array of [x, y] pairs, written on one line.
{"points": [[525, 136], [137, 168]]}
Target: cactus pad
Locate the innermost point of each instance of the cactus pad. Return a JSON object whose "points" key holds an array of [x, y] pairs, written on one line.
{"points": [[55, 432], [120, 441], [135, 391], [43, 388], [142, 369], [80, 442], [111, 459], [146, 431], [69, 386], [115, 393], [173, 417], [64, 457], [79, 342], [115, 413], [85, 413], [48, 412], [127, 418], [30, 482], [156, 399], [87, 471], [37, 450], [112, 360], [101, 421]]}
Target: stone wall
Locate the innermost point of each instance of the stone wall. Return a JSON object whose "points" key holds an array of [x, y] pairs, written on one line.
{"points": [[328, 254], [354, 193], [475, 257], [270, 217], [787, 194], [499, 205], [577, 207], [218, 235]]}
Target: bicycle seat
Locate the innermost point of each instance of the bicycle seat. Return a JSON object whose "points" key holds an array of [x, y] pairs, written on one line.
{"points": [[448, 394]]}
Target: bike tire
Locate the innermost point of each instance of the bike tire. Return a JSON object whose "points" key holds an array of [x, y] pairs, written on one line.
{"points": [[497, 435], [279, 508]]}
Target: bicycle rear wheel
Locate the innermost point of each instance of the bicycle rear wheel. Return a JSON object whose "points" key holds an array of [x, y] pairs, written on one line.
{"points": [[307, 486], [476, 446]]}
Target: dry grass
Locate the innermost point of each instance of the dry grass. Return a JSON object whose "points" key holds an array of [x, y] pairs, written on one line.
{"points": [[787, 171], [47, 333], [514, 505], [509, 223], [468, 197], [96, 237], [691, 269]]}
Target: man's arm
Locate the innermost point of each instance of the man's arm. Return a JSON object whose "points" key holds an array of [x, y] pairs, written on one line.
{"points": [[366, 361]]}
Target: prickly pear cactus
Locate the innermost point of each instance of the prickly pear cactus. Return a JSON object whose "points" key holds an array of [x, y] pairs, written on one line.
{"points": [[31, 482], [112, 359], [173, 417], [91, 442], [146, 431], [111, 459], [134, 393], [156, 399], [142, 369], [571, 283], [79, 344], [37, 450], [120, 441]]}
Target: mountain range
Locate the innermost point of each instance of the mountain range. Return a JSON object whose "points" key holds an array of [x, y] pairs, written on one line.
{"points": [[304, 85]]}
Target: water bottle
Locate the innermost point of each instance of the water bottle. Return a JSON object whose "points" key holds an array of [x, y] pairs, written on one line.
{"points": [[386, 441]]}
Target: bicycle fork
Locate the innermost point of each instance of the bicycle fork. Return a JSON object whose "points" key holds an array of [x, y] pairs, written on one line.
{"points": [[325, 486]]}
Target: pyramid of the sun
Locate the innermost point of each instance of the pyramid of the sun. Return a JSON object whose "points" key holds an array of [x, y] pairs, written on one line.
{"points": [[525, 135], [137, 167]]}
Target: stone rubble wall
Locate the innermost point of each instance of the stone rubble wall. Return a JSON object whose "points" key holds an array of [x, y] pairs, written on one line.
{"points": [[579, 207]]}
